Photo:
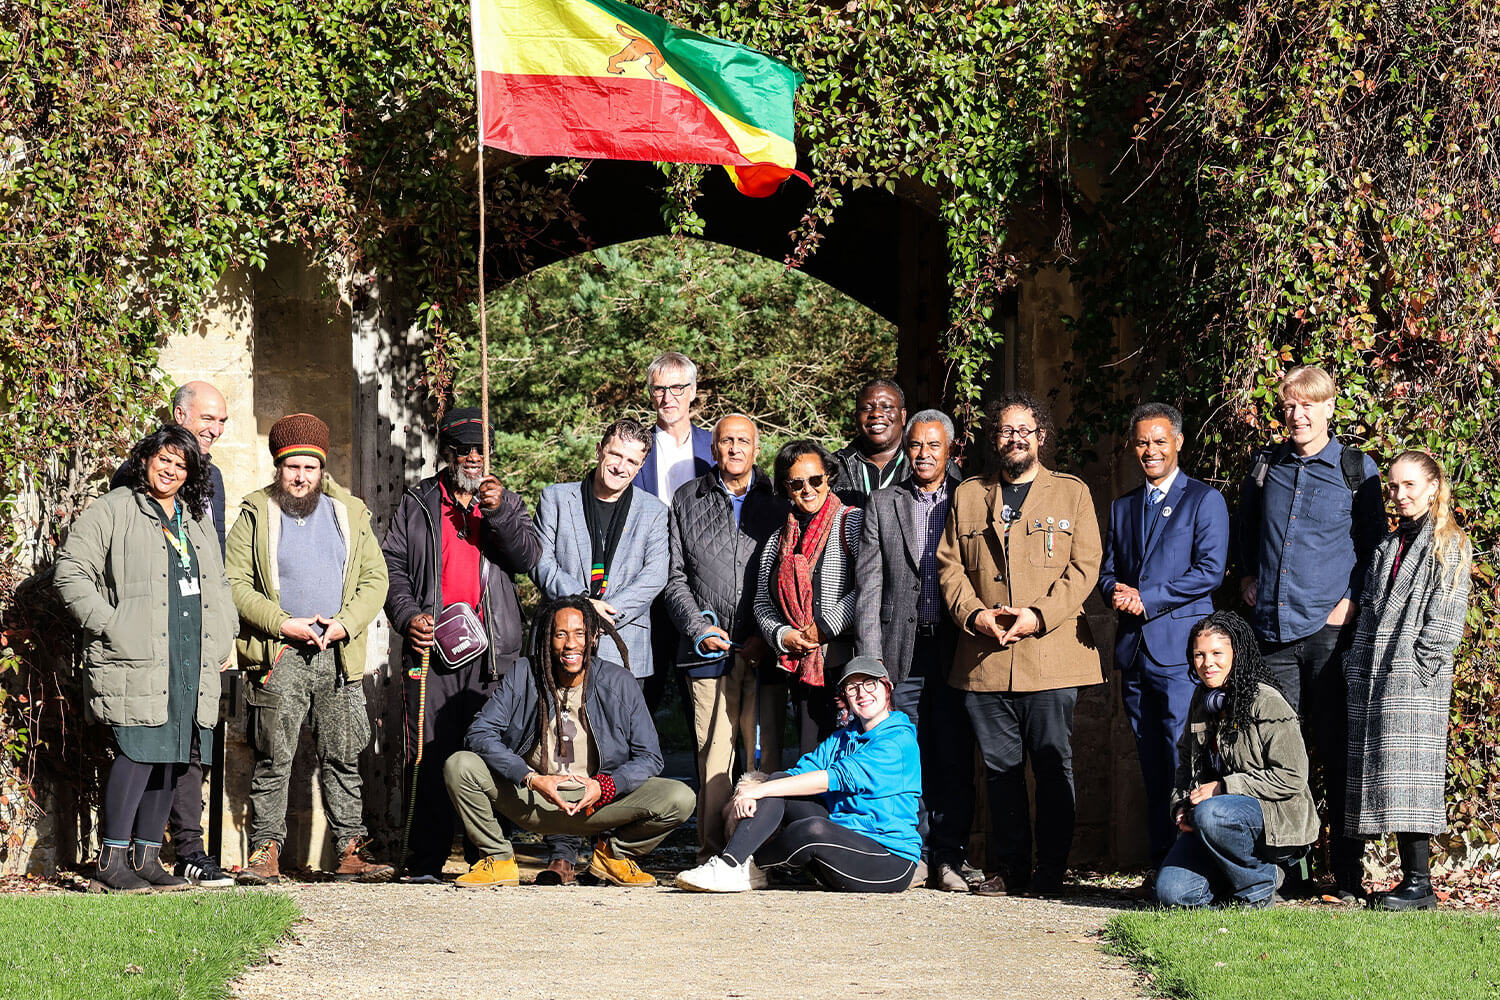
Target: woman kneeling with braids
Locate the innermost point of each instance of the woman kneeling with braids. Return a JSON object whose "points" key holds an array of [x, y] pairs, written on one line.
{"points": [[1241, 798], [566, 746]]}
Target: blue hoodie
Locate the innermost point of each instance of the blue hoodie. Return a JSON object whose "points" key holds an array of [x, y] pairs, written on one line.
{"points": [[874, 781]]}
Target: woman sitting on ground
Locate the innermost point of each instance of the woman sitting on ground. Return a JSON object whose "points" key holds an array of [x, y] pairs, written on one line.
{"points": [[1241, 798], [847, 810], [1400, 674]]}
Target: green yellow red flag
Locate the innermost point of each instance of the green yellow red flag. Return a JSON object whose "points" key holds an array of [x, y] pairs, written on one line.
{"points": [[601, 79]]}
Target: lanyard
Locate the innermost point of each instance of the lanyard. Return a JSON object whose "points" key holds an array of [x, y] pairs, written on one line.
{"points": [[179, 541]]}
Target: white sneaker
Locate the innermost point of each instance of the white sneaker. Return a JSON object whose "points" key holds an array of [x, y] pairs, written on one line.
{"points": [[717, 875], [757, 874]]}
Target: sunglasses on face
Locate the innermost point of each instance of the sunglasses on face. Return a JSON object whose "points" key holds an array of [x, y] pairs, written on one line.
{"points": [[795, 485]]}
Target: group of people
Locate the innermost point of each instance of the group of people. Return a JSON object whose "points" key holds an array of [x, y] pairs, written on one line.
{"points": [[908, 621]]}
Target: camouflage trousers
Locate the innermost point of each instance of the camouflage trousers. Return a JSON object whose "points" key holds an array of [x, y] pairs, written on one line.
{"points": [[305, 686]]}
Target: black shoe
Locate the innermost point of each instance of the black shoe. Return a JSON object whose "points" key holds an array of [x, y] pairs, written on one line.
{"points": [[202, 871], [1411, 894], [1046, 883]]}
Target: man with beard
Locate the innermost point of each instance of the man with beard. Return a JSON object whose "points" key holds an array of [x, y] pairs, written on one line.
{"points": [[607, 540], [308, 578], [903, 624], [457, 537], [1019, 555], [874, 459]]}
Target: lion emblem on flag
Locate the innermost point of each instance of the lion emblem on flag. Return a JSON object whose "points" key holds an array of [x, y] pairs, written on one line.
{"points": [[636, 49]]}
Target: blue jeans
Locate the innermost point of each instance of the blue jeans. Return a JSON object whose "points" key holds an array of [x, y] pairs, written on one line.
{"points": [[1218, 857]]}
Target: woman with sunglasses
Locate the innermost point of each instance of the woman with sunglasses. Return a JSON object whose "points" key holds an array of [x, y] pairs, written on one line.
{"points": [[1400, 673], [805, 592], [847, 811]]}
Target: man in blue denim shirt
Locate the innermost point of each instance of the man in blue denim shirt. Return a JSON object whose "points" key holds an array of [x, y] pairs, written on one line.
{"points": [[1304, 539]]}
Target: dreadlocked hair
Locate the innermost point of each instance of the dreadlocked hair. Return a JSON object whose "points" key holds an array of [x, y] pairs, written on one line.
{"points": [[542, 661], [1246, 673]]}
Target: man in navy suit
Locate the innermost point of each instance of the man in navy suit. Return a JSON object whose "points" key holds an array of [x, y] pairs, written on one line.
{"points": [[1167, 552], [681, 451]]}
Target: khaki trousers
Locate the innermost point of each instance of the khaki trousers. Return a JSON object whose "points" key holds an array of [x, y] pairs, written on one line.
{"points": [[724, 710], [632, 824]]}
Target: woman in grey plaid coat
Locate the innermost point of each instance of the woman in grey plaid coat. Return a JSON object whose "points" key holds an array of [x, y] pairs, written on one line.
{"points": [[1400, 675]]}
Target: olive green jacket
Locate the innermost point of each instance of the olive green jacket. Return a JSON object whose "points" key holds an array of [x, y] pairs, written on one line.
{"points": [[1268, 763], [249, 556], [112, 574]]}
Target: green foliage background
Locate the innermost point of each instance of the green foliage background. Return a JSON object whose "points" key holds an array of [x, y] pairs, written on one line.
{"points": [[569, 346], [1234, 188]]}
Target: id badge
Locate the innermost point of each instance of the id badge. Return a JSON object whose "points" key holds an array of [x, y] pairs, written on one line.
{"points": [[189, 586]]}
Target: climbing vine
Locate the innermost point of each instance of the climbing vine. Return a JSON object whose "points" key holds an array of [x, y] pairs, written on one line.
{"points": [[1232, 187]]}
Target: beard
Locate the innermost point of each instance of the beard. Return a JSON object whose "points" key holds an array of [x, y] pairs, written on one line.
{"points": [[462, 481], [1018, 462], [297, 506]]}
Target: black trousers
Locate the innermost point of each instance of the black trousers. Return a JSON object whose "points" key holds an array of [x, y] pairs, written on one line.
{"points": [[946, 743], [454, 697], [186, 818], [1310, 672], [797, 833], [1012, 728]]}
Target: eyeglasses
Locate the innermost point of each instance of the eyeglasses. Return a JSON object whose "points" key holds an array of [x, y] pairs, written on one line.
{"points": [[675, 390], [795, 485], [868, 686], [460, 451], [1007, 432]]}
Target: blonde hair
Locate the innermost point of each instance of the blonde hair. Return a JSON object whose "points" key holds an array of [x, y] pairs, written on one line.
{"points": [[1450, 544], [1307, 382]]}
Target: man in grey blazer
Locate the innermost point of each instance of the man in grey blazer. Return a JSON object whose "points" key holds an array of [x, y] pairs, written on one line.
{"points": [[902, 622], [605, 538]]}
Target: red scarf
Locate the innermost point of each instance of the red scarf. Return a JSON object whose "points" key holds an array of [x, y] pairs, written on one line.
{"points": [[797, 554]]}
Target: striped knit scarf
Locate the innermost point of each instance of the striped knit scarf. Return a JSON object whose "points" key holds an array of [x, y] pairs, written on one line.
{"points": [[797, 554]]}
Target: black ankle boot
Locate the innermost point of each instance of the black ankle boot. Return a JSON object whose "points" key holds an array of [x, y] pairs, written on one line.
{"points": [[1346, 858], [1414, 892], [147, 864], [113, 873]]}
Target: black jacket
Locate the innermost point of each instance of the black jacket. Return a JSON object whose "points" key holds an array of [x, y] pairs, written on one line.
{"points": [[714, 562], [412, 547], [506, 728]]}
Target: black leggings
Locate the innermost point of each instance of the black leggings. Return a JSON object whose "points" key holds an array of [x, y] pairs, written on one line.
{"points": [[840, 858], [137, 798]]}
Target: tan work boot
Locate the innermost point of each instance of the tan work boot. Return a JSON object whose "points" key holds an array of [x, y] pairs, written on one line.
{"points": [[620, 871], [486, 873], [262, 867], [354, 866]]}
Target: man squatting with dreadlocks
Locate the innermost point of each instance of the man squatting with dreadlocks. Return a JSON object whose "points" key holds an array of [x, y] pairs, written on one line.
{"points": [[565, 746]]}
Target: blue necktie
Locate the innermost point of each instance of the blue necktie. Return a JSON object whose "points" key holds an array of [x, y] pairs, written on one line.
{"points": [[1154, 498]]}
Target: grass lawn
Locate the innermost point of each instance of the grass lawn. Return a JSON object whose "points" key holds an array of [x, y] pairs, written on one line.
{"points": [[1291, 952], [182, 944]]}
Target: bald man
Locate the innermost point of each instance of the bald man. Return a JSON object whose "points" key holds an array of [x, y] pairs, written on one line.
{"points": [[200, 408], [717, 525]]}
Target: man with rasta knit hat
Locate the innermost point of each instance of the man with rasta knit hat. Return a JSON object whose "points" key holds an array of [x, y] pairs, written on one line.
{"points": [[308, 578], [458, 537]]}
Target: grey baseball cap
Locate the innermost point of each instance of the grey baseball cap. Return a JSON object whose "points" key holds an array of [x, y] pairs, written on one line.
{"points": [[863, 666]]}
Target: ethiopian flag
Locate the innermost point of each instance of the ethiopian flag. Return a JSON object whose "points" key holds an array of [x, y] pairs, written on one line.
{"points": [[601, 79]]}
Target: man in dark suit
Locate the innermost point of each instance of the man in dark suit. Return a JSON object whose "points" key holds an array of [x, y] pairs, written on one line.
{"points": [[902, 623], [681, 452], [1167, 552]]}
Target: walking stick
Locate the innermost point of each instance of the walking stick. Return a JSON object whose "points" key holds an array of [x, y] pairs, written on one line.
{"points": [[419, 674]]}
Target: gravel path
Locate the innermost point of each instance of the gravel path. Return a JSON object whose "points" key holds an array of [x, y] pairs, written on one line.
{"points": [[432, 942]]}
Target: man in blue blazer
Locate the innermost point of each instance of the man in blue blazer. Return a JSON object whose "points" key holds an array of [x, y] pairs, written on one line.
{"points": [[1167, 552]]}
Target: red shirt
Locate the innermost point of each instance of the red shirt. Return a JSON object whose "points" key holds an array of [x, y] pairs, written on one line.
{"points": [[460, 550]]}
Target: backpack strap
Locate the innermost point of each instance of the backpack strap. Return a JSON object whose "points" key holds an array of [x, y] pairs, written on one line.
{"points": [[1352, 465]]}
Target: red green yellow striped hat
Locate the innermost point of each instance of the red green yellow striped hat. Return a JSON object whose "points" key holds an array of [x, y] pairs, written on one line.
{"points": [[299, 434]]}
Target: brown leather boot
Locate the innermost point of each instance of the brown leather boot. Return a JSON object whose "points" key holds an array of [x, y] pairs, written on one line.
{"points": [[355, 867], [262, 867]]}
